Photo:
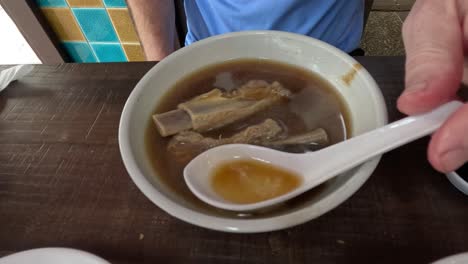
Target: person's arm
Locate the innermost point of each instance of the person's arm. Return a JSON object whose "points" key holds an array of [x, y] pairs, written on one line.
{"points": [[436, 40], [155, 23]]}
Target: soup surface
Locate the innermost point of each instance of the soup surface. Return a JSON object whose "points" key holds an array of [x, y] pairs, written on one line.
{"points": [[251, 181], [313, 104]]}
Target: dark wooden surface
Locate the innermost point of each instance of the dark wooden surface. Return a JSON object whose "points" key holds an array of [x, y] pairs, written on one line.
{"points": [[62, 183]]}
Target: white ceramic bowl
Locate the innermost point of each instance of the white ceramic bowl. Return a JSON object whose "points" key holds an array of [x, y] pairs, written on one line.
{"points": [[52, 256], [461, 258], [362, 95]]}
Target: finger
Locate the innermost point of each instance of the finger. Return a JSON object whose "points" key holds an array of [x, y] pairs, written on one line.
{"points": [[465, 70], [448, 149], [433, 40]]}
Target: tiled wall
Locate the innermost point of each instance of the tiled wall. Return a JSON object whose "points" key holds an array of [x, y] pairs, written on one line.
{"points": [[94, 30]]}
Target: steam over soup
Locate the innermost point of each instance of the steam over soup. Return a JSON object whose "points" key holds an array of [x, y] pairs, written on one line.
{"points": [[250, 101]]}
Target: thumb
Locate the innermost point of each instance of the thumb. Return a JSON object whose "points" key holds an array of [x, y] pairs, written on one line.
{"points": [[433, 40], [448, 148]]}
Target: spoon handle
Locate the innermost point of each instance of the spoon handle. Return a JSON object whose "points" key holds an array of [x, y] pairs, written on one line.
{"points": [[352, 152]]}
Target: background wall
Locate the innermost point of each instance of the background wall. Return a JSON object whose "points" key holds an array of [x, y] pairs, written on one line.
{"points": [[93, 30]]}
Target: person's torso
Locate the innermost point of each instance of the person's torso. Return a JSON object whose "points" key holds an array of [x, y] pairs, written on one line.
{"points": [[338, 22]]}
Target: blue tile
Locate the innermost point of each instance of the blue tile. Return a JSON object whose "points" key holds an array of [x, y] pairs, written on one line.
{"points": [[51, 3], [79, 51], [115, 3], [95, 24], [109, 52]]}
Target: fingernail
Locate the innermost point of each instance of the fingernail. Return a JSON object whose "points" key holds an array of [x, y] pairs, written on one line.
{"points": [[417, 87], [454, 159]]}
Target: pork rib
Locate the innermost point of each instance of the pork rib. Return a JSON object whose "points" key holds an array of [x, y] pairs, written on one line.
{"points": [[216, 108]]}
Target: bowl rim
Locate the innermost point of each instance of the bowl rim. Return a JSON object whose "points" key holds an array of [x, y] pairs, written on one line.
{"points": [[259, 225], [52, 255], [458, 258]]}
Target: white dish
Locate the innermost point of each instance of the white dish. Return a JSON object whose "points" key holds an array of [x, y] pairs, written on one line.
{"points": [[461, 258], [362, 96], [52, 256]]}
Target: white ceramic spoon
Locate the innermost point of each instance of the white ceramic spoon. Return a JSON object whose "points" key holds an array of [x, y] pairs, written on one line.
{"points": [[314, 167]]}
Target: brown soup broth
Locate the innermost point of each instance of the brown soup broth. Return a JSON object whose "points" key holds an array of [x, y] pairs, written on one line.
{"points": [[314, 104], [252, 181]]}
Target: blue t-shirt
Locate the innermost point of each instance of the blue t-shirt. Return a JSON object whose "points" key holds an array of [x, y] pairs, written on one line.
{"points": [[338, 22]]}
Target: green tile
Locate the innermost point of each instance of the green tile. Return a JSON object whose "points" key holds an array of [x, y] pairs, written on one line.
{"points": [[79, 51], [116, 3], [109, 52], [95, 24], [51, 3]]}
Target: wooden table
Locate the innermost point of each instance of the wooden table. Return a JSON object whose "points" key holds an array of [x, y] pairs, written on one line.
{"points": [[62, 183]]}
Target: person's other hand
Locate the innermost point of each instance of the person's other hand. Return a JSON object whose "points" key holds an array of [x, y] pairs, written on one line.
{"points": [[436, 39]]}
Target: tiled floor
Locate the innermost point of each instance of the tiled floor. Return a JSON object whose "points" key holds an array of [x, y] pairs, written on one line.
{"points": [[13, 48]]}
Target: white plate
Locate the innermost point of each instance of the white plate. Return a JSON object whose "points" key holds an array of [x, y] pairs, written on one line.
{"points": [[461, 258], [52, 256]]}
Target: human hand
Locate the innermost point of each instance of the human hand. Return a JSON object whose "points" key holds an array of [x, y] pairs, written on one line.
{"points": [[436, 40]]}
